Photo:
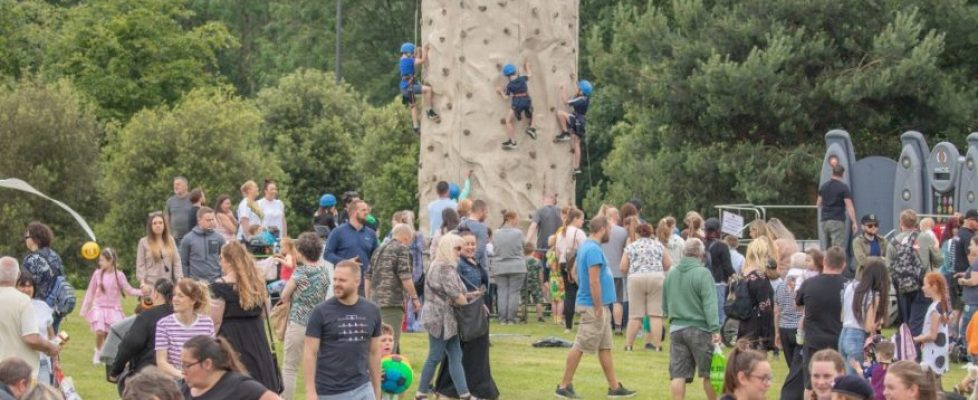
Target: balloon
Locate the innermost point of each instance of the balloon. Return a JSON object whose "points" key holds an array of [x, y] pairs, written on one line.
{"points": [[90, 251]]}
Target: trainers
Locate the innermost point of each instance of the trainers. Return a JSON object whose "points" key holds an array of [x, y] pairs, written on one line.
{"points": [[562, 137], [417, 130], [568, 392], [577, 171], [509, 145], [532, 132], [432, 115], [649, 346], [620, 392]]}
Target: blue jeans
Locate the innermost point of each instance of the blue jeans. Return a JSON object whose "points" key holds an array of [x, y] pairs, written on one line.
{"points": [[721, 300], [851, 342], [365, 392], [969, 311], [436, 352]]}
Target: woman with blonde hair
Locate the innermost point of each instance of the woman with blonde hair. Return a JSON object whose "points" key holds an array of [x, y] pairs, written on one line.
{"points": [[694, 226], [907, 380], [784, 242], [249, 212], [156, 255], [444, 289], [240, 302], [189, 319], [758, 328]]}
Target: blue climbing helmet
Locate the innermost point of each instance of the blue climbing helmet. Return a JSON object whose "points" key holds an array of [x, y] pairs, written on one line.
{"points": [[453, 191], [407, 48], [585, 87], [328, 200], [509, 69]]}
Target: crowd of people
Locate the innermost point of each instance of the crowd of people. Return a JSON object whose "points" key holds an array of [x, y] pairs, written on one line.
{"points": [[203, 325]]}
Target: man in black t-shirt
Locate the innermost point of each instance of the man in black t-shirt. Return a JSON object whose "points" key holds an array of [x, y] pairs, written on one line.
{"points": [[820, 300], [965, 234], [835, 202], [342, 349]]}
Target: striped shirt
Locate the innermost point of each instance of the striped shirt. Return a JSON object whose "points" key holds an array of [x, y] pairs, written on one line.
{"points": [[171, 335], [785, 299]]}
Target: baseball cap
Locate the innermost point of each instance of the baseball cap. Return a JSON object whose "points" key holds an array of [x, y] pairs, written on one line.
{"points": [[870, 218], [971, 214], [853, 386]]}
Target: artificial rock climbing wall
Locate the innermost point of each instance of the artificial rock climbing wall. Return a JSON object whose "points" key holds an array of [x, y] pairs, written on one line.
{"points": [[470, 42]]}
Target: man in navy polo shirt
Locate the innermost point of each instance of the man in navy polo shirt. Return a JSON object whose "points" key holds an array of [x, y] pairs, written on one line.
{"points": [[596, 290], [353, 240]]}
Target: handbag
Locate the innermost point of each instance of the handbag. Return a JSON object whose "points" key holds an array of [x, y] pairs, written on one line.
{"points": [[271, 344], [279, 320], [471, 318], [570, 260]]}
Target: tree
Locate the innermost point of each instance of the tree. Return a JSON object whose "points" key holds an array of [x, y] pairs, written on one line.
{"points": [[728, 102], [50, 140], [135, 54], [313, 125], [25, 27], [210, 136], [388, 160]]}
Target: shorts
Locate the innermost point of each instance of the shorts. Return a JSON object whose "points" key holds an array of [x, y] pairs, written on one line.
{"points": [[619, 290], [645, 294], [523, 106], [575, 123], [532, 294], [690, 350], [408, 92], [594, 335]]}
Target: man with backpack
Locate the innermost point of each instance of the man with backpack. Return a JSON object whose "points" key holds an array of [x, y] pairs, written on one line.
{"points": [[912, 256]]}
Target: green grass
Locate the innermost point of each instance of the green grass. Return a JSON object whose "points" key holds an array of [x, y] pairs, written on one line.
{"points": [[520, 371]]}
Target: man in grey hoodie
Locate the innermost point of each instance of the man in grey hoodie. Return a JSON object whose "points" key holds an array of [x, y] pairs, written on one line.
{"points": [[201, 248]]}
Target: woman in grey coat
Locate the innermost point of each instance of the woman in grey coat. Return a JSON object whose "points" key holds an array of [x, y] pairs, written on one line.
{"points": [[508, 267]]}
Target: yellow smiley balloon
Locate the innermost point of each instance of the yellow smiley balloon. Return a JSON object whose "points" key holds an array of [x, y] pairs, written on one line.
{"points": [[90, 250]]}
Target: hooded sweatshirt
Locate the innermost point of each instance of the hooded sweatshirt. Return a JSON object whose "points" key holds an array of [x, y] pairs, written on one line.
{"points": [[199, 252], [689, 297]]}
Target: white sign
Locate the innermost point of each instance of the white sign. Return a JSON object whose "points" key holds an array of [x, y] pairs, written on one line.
{"points": [[731, 223]]}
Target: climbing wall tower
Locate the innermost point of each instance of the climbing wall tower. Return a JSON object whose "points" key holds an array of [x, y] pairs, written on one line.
{"points": [[470, 42]]}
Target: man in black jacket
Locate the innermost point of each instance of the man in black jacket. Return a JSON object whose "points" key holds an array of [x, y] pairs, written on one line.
{"points": [[137, 349], [718, 261]]}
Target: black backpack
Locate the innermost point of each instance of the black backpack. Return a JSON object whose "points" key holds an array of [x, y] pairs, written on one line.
{"points": [[908, 274], [738, 305]]}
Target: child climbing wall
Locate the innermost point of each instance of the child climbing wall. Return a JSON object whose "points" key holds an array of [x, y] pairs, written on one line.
{"points": [[574, 121], [409, 87], [470, 43], [521, 105]]}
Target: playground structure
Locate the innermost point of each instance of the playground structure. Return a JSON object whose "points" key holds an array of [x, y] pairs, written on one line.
{"points": [[470, 43], [935, 182]]}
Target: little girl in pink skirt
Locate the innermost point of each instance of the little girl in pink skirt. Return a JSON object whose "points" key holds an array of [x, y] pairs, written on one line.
{"points": [[102, 306]]}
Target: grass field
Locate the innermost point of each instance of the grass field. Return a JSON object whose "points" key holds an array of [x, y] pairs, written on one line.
{"points": [[520, 371]]}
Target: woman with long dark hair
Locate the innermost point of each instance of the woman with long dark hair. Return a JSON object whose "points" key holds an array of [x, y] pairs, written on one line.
{"points": [[569, 239], [212, 371], [864, 310], [227, 224], [449, 222], [156, 255], [238, 311]]}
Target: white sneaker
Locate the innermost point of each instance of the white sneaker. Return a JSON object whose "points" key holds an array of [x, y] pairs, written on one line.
{"points": [[96, 357]]}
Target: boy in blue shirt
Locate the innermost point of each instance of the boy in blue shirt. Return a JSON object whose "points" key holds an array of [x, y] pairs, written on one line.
{"points": [[409, 60], [520, 104], [575, 120]]}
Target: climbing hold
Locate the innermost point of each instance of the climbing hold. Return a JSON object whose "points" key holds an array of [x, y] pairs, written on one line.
{"points": [[552, 109], [461, 58], [466, 132], [553, 69], [463, 34], [482, 8], [430, 21], [563, 43], [553, 166], [444, 11], [534, 11], [556, 14], [448, 106], [502, 175], [502, 121], [506, 31], [529, 186], [468, 95], [444, 71], [570, 26], [441, 39], [485, 41], [499, 66], [502, 3], [446, 155], [536, 31], [431, 147], [533, 155]]}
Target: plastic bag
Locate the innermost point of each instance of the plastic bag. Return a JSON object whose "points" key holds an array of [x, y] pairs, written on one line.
{"points": [[718, 366]]}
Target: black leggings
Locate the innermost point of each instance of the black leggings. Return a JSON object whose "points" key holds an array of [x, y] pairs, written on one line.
{"points": [[570, 297]]}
